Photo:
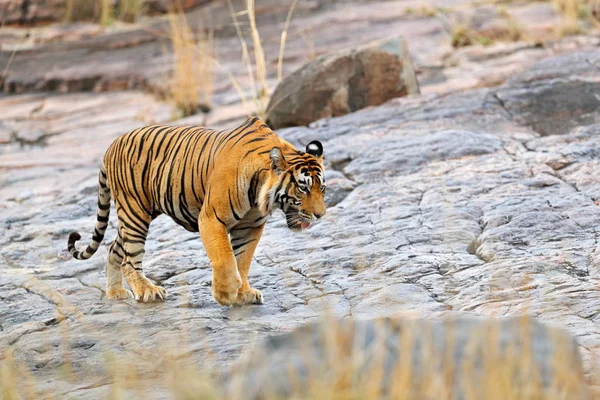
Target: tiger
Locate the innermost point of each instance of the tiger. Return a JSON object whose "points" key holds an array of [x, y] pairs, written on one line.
{"points": [[223, 184]]}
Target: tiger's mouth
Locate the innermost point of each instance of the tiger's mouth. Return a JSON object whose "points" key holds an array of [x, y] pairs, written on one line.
{"points": [[298, 220]]}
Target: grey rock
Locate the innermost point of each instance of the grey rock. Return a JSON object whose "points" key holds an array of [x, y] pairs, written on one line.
{"points": [[6, 135], [555, 95], [460, 355], [338, 187], [457, 206], [30, 136], [339, 83]]}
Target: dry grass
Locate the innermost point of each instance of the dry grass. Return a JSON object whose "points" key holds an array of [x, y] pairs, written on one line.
{"points": [[256, 65], [423, 11], [570, 11], [102, 11], [130, 10], [462, 34], [191, 83], [497, 373], [81, 10], [106, 12], [577, 16], [283, 39]]}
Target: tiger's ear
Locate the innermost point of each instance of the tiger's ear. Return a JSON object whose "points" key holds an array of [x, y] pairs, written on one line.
{"points": [[315, 148], [278, 163]]}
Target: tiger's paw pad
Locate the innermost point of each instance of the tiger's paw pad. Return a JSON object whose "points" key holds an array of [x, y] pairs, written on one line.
{"points": [[149, 292], [225, 291], [119, 294], [251, 296], [225, 298]]}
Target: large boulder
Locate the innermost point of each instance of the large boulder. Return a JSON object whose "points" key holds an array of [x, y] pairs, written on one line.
{"points": [[456, 357], [339, 83]]}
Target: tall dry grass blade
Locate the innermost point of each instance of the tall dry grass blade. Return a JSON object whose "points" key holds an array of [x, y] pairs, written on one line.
{"points": [[570, 12], [68, 17], [130, 10], [106, 12], [192, 76], [284, 32], [259, 62], [245, 55]]}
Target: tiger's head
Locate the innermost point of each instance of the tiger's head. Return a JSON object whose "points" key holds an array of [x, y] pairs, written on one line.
{"points": [[298, 186]]}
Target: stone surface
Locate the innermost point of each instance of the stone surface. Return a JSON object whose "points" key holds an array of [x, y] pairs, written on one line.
{"points": [[570, 100], [464, 356], [441, 205], [339, 83], [472, 200]]}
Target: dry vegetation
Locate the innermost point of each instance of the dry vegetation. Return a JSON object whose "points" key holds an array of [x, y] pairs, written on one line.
{"points": [[577, 15], [191, 82], [487, 372], [195, 61], [256, 64], [103, 11], [461, 34]]}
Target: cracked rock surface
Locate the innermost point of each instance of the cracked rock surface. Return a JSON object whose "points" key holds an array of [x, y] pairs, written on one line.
{"points": [[483, 203]]}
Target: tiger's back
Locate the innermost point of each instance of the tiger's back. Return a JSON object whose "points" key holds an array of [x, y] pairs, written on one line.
{"points": [[166, 170]]}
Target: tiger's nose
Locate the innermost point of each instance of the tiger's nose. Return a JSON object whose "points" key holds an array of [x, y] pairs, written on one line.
{"points": [[319, 215]]}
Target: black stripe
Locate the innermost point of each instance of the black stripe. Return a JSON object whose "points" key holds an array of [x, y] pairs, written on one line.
{"points": [[253, 150], [90, 250], [137, 253], [237, 218], [237, 246], [219, 219], [243, 136]]}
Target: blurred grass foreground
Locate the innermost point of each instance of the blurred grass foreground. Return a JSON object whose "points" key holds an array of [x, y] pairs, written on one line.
{"points": [[451, 358]]}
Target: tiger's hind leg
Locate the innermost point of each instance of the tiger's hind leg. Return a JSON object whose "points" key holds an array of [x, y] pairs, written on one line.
{"points": [[133, 234], [114, 276]]}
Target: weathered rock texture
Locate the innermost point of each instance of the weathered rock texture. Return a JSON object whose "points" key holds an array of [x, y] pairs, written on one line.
{"points": [[343, 82], [29, 12], [444, 204], [389, 358]]}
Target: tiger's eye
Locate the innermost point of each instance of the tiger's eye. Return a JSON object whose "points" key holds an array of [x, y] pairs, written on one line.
{"points": [[323, 188]]}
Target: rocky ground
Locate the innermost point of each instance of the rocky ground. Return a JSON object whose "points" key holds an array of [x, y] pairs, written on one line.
{"points": [[478, 197]]}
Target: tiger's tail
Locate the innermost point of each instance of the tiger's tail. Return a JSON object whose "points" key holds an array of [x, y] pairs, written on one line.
{"points": [[104, 197]]}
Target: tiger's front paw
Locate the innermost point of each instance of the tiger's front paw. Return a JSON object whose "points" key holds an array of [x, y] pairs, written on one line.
{"points": [[118, 294], [225, 291], [250, 296]]}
